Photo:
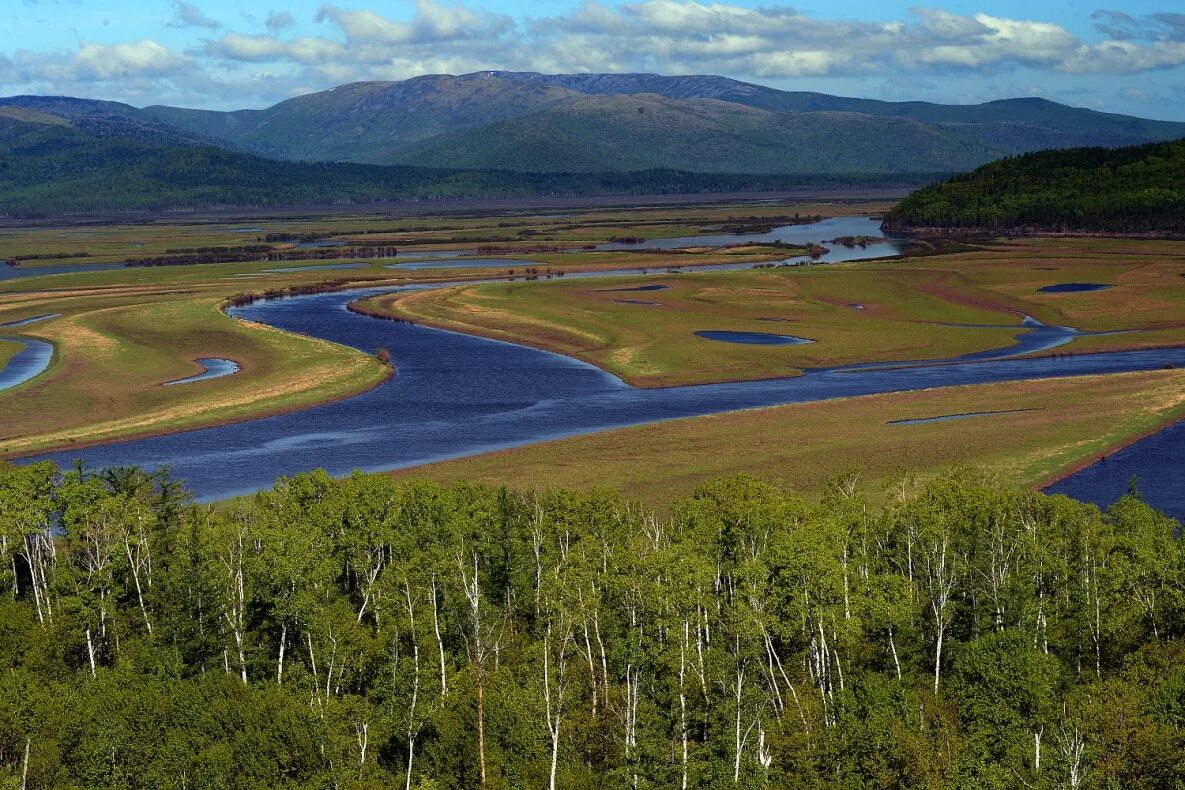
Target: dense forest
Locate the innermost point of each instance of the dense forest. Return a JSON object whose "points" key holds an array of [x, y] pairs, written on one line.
{"points": [[365, 633], [48, 169], [1139, 189]]}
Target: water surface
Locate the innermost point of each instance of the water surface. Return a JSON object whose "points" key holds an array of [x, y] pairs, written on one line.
{"points": [[798, 235], [457, 395], [30, 361], [1066, 288], [212, 368], [32, 319], [1156, 462], [14, 272], [753, 338]]}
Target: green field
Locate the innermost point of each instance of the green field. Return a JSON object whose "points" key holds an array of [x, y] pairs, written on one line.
{"points": [[859, 312], [1048, 427]]}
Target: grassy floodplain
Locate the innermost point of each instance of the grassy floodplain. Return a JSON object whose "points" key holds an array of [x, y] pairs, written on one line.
{"points": [[858, 312], [113, 353], [1043, 428], [125, 331]]}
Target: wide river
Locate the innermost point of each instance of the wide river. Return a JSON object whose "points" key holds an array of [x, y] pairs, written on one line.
{"points": [[457, 395]]}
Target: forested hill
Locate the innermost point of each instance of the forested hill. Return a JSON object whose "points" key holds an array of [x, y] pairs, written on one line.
{"points": [[53, 165], [1137, 189], [369, 634]]}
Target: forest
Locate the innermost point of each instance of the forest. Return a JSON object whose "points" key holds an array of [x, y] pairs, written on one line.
{"points": [[1138, 189], [368, 633]]}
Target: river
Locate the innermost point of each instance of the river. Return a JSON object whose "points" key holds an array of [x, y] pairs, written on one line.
{"points": [[457, 395]]}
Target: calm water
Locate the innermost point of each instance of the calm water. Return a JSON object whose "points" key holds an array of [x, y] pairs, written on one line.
{"points": [[26, 363], [1069, 288], [752, 338], [814, 232], [32, 319], [212, 368], [28, 270], [457, 395], [1157, 463]]}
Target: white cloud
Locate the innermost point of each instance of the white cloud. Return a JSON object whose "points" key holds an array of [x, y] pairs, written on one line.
{"points": [[97, 63]]}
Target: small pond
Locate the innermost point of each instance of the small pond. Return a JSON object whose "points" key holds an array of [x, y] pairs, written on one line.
{"points": [[1067, 288], [753, 338]]}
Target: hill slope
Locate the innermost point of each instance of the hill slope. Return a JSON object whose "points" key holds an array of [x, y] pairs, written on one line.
{"points": [[589, 133], [1126, 190]]}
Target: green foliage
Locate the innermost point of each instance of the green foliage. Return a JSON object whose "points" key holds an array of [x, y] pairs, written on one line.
{"points": [[359, 632], [1125, 190]]}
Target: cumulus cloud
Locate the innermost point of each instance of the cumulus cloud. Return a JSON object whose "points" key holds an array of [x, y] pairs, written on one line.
{"points": [[189, 15], [94, 63]]}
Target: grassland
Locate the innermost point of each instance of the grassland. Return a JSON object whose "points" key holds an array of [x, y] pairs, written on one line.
{"points": [[870, 311], [1049, 427], [125, 331]]}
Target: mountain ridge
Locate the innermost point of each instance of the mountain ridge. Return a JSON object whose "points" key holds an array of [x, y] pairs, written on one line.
{"points": [[426, 120]]}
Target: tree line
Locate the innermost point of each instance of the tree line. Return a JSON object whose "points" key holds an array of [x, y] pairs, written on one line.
{"points": [[1138, 189], [367, 633]]}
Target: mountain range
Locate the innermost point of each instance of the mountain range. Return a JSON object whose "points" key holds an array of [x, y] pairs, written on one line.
{"points": [[513, 133], [593, 122]]}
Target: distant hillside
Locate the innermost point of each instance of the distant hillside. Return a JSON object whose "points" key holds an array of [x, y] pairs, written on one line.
{"points": [[1028, 117], [51, 166], [1123, 190], [590, 133], [581, 122]]}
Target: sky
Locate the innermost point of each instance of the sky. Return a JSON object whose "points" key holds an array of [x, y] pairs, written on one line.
{"points": [[1124, 57]]}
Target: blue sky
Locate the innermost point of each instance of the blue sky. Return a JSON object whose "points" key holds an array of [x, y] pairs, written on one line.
{"points": [[222, 54]]}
